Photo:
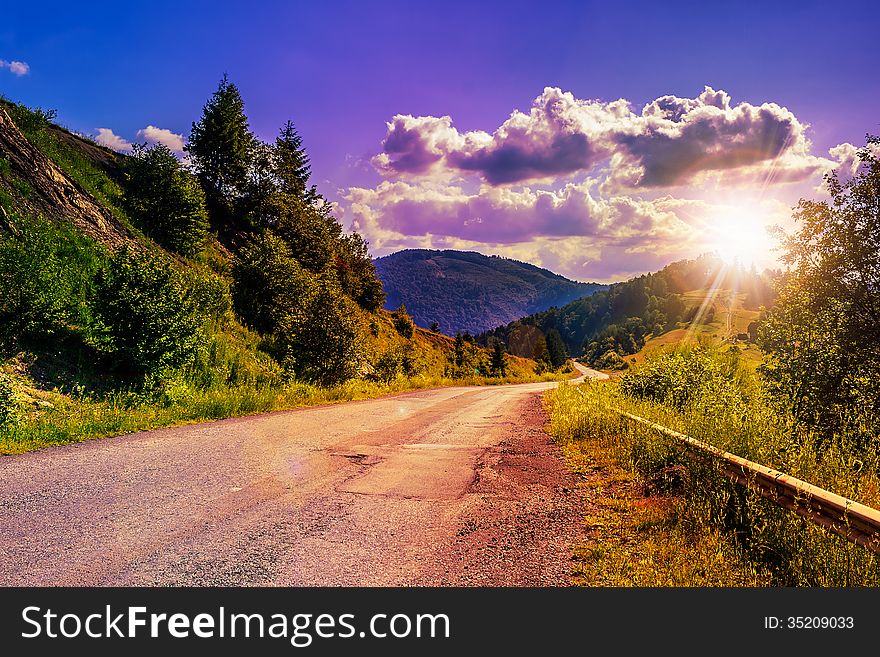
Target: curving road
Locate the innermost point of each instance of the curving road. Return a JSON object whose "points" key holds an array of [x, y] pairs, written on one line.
{"points": [[451, 486]]}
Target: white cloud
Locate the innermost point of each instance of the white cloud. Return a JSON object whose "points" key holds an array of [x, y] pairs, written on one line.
{"points": [[153, 135], [107, 138], [670, 143], [15, 67]]}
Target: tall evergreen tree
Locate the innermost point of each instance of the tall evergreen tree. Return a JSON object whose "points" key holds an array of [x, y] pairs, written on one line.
{"points": [[221, 145], [556, 351], [292, 165], [498, 365]]}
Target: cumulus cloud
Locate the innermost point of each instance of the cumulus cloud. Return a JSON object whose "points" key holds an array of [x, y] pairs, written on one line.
{"points": [[106, 137], [847, 158], [671, 141], [153, 135], [506, 216], [592, 189], [16, 68]]}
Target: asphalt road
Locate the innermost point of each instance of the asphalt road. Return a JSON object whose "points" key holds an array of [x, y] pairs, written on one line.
{"points": [[452, 486]]}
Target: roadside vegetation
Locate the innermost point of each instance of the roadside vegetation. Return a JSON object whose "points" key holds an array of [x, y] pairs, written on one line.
{"points": [[810, 410], [236, 292]]}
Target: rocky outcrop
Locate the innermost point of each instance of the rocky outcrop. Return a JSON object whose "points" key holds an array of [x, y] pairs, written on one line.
{"points": [[55, 194]]}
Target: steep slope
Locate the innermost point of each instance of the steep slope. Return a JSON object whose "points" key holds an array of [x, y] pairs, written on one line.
{"points": [[468, 291], [40, 187]]}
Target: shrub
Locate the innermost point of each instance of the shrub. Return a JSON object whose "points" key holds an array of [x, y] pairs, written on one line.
{"points": [[45, 274], [397, 361], [269, 283], [9, 403], [147, 317], [686, 376], [403, 323], [322, 338]]}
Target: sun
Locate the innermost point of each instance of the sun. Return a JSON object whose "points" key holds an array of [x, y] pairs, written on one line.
{"points": [[740, 235]]}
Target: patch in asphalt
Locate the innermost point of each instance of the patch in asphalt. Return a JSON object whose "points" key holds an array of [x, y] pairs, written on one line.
{"points": [[427, 471]]}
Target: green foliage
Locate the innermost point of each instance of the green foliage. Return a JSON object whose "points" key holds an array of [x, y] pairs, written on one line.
{"points": [[9, 402], [210, 293], [620, 317], [165, 201], [466, 359], [823, 335], [30, 120], [705, 394], [617, 339], [556, 351], [690, 375], [541, 355], [403, 323], [45, 275], [292, 164], [397, 361], [498, 364], [467, 291], [146, 317], [269, 282], [321, 338], [91, 166], [221, 145], [357, 274]]}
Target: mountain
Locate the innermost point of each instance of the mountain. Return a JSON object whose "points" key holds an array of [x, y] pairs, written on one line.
{"points": [[468, 291]]}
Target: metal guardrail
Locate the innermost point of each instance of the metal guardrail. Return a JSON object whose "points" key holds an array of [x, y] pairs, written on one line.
{"points": [[845, 517]]}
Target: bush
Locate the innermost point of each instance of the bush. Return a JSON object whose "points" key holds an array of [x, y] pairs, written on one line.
{"points": [[147, 318], [45, 274], [322, 338], [403, 323], [9, 403], [165, 200], [687, 376], [397, 361], [269, 283]]}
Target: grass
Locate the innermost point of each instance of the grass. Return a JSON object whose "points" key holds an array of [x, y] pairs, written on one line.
{"points": [[725, 535], [635, 539], [53, 418]]}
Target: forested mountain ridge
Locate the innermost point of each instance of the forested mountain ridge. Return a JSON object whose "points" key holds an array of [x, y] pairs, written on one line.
{"points": [[615, 322], [468, 291]]}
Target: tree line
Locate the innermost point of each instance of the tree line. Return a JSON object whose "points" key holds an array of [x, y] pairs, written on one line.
{"points": [[248, 236]]}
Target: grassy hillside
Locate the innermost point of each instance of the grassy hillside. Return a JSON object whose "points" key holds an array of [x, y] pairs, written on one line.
{"points": [[701, 297], [104, 330], [467, 291]]}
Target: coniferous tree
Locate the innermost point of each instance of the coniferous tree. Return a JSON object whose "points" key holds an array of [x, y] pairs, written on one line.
{"points": [[557, 354], [221, 145], [498, 364], [292, 164], [165, 200]]}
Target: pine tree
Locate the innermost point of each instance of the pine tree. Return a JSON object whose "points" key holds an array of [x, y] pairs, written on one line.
{"points": [[292, 166], [498, 364], [557, 354], [541, 355], [221, 145]]}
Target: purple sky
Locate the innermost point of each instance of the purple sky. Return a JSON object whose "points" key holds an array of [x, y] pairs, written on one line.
{"points": [[581, 137]]}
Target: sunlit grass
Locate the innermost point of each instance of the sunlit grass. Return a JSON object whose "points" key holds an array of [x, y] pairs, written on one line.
{"points": [[58, 419], [709, 514]]}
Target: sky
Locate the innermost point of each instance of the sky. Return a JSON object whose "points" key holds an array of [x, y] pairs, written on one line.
{"points": [[595, 139]]}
